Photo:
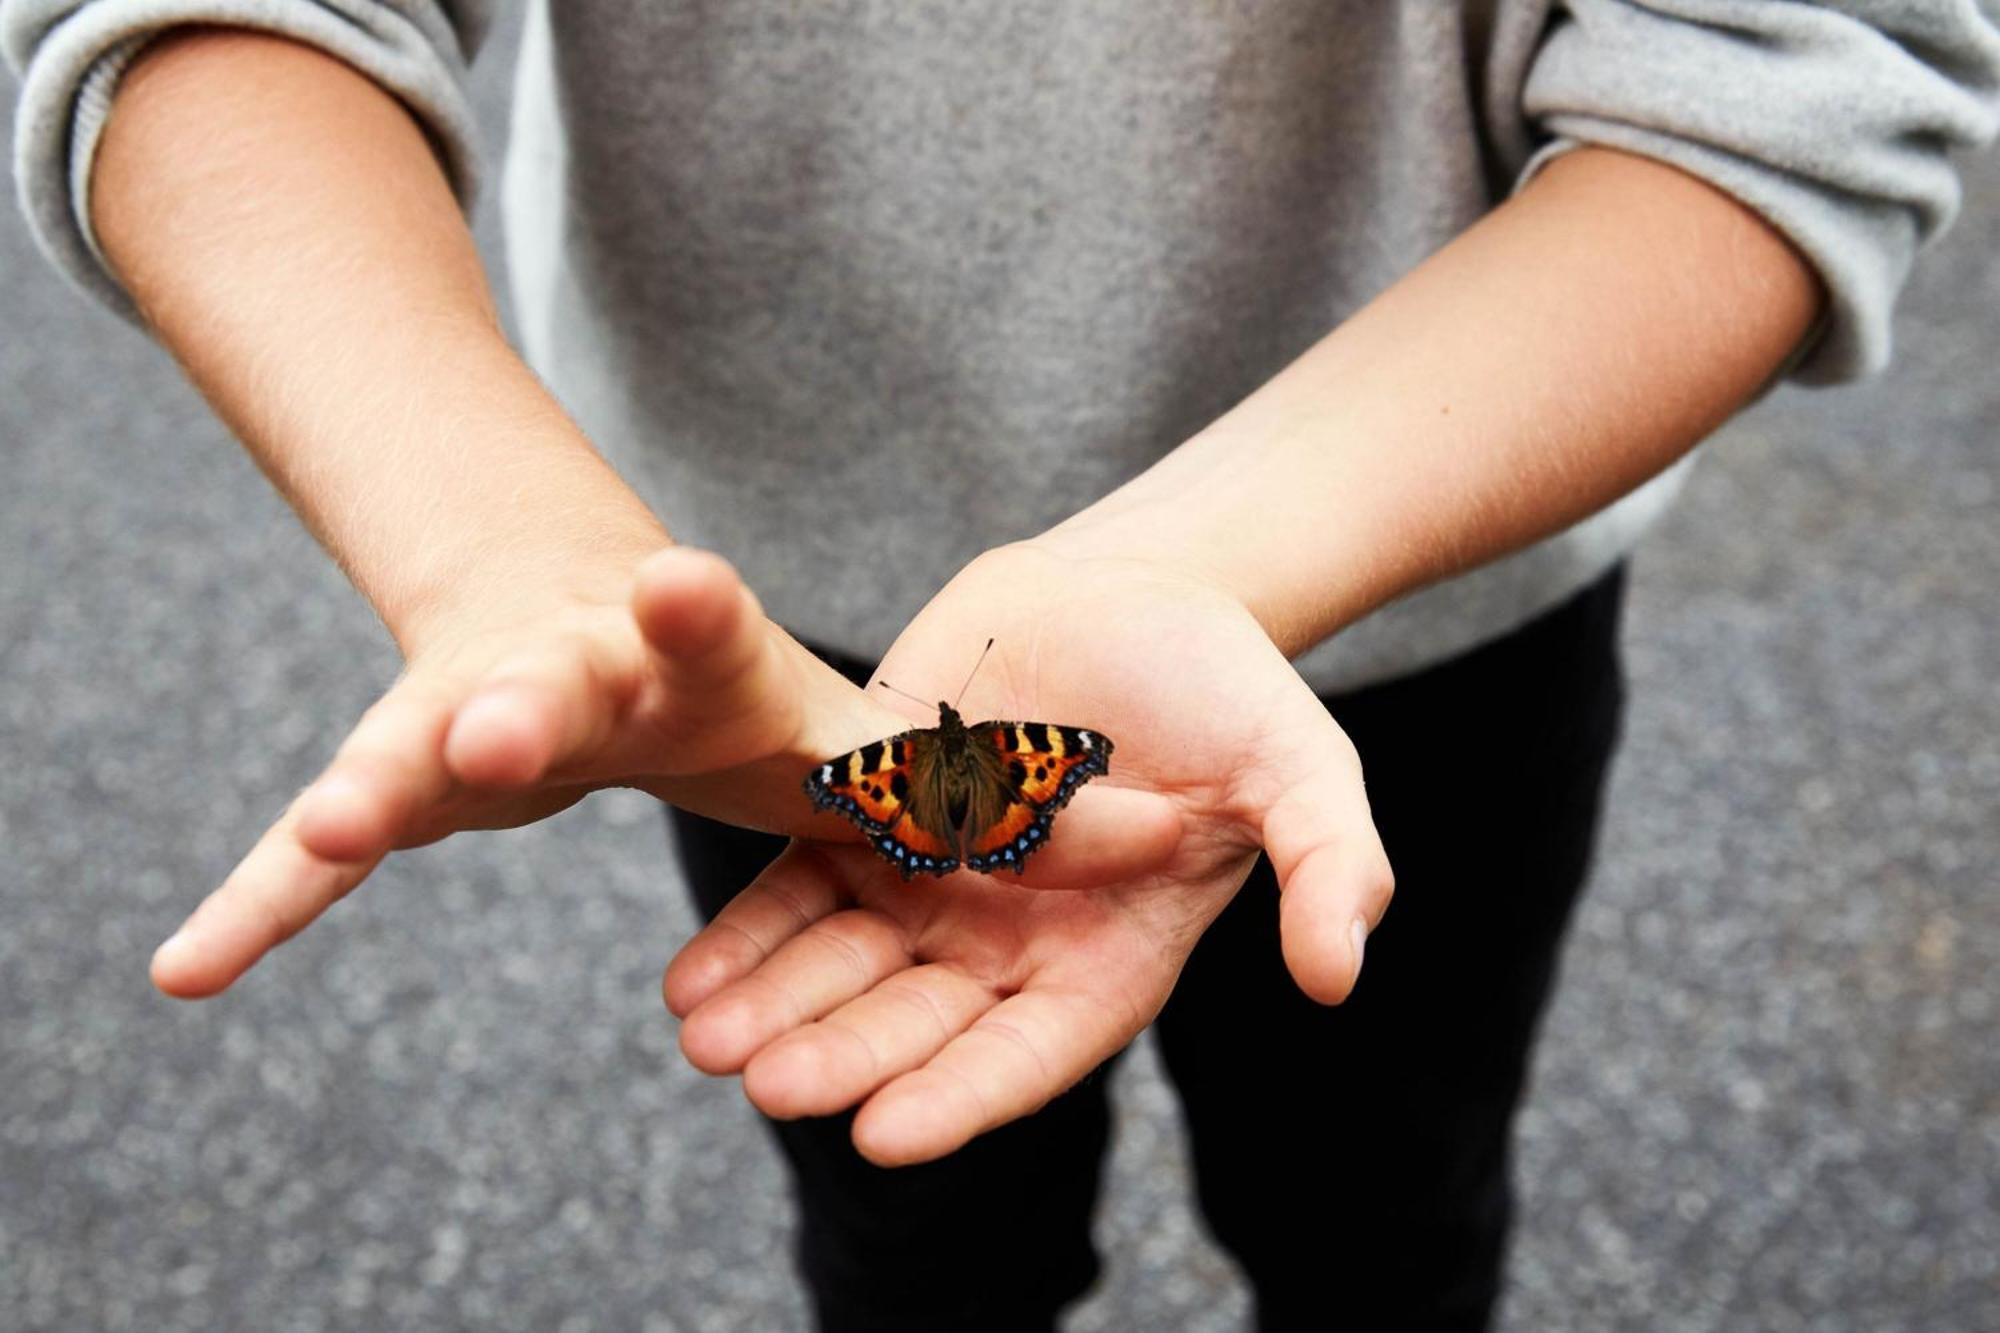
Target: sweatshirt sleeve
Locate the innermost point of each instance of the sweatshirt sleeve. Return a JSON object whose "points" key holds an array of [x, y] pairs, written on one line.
{"points": [[69, 55], [1835, 121]]}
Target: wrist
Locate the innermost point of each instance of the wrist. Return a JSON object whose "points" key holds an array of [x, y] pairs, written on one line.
{"points": [[491, 508], [1224, 511], [506, 589], [540, 564], [457, 496]]}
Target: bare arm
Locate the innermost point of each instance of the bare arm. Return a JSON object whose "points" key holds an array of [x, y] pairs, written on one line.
{"points": [[285, 228], [1571, 345]]}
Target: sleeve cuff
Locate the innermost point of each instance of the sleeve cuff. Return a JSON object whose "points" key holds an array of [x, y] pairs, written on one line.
{"points": [[71, 68], [1834, 125]]}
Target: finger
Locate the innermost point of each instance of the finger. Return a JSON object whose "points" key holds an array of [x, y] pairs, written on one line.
{"points": [[725, 692], [700, 618], [1017, 1056], [830, 1065], [386, 775], [1106, 835], [276, 891], [815, 971], [798, 888], [1333, 876], [534, 712]]}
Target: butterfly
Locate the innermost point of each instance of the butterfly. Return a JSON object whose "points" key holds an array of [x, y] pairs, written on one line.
{"points": [[983, 796]]}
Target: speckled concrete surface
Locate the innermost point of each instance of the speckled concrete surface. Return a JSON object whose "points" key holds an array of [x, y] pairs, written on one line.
{"points": [[1770, 1097]]}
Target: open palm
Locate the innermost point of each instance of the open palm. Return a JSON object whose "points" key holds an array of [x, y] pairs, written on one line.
{"points": [[947, 1007]]}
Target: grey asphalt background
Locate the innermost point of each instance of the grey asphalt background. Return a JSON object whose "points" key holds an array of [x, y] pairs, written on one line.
{"points": [[1769, 1097]]}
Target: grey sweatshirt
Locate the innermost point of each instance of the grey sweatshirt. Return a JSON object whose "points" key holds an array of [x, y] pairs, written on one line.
{"points": [[851, 290]]}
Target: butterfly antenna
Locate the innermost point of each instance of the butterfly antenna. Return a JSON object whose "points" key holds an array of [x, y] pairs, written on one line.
{"points": [[905, 693], [975, 671]]}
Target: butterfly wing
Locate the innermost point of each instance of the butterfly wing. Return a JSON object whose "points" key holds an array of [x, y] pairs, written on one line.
{"points": [[1024, 773], [888, 789]]}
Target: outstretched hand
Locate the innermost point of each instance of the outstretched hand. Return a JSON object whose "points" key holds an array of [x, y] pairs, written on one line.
{"points": [[684, 690], [947, 1007]]}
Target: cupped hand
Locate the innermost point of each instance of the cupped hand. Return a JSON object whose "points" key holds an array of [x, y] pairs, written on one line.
{"points": [[683, 689], [947, 1007]]}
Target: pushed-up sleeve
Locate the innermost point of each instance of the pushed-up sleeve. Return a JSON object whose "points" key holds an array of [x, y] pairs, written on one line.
{"points": [[1835, 121], [69, 55]]}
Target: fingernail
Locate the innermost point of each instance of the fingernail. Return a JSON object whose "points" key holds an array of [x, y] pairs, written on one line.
{"points": [[1357, 935]]}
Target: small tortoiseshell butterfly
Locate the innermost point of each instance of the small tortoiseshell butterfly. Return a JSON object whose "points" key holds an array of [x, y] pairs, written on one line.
{"points": [[982, 796]]}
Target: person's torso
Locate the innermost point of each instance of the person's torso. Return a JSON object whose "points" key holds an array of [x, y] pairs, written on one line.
{"points": [[854, 291]]}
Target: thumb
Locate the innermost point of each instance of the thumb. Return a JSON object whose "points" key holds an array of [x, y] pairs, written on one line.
{"points": [[728, 691], [1333, 876]]}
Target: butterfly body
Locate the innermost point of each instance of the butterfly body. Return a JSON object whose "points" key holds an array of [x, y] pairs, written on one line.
{"points": [[982, 796]]}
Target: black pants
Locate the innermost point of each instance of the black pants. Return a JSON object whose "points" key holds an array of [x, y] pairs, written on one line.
{"points": [[1353, 1159]]}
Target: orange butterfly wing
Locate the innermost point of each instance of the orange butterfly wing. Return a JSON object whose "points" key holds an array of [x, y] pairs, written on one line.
{"points": [[1042, 765], [871, 787], [1023, 774]]}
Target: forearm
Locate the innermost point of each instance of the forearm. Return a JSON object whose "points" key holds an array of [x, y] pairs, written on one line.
{"points": [[1571, 345], [289, 235]]}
